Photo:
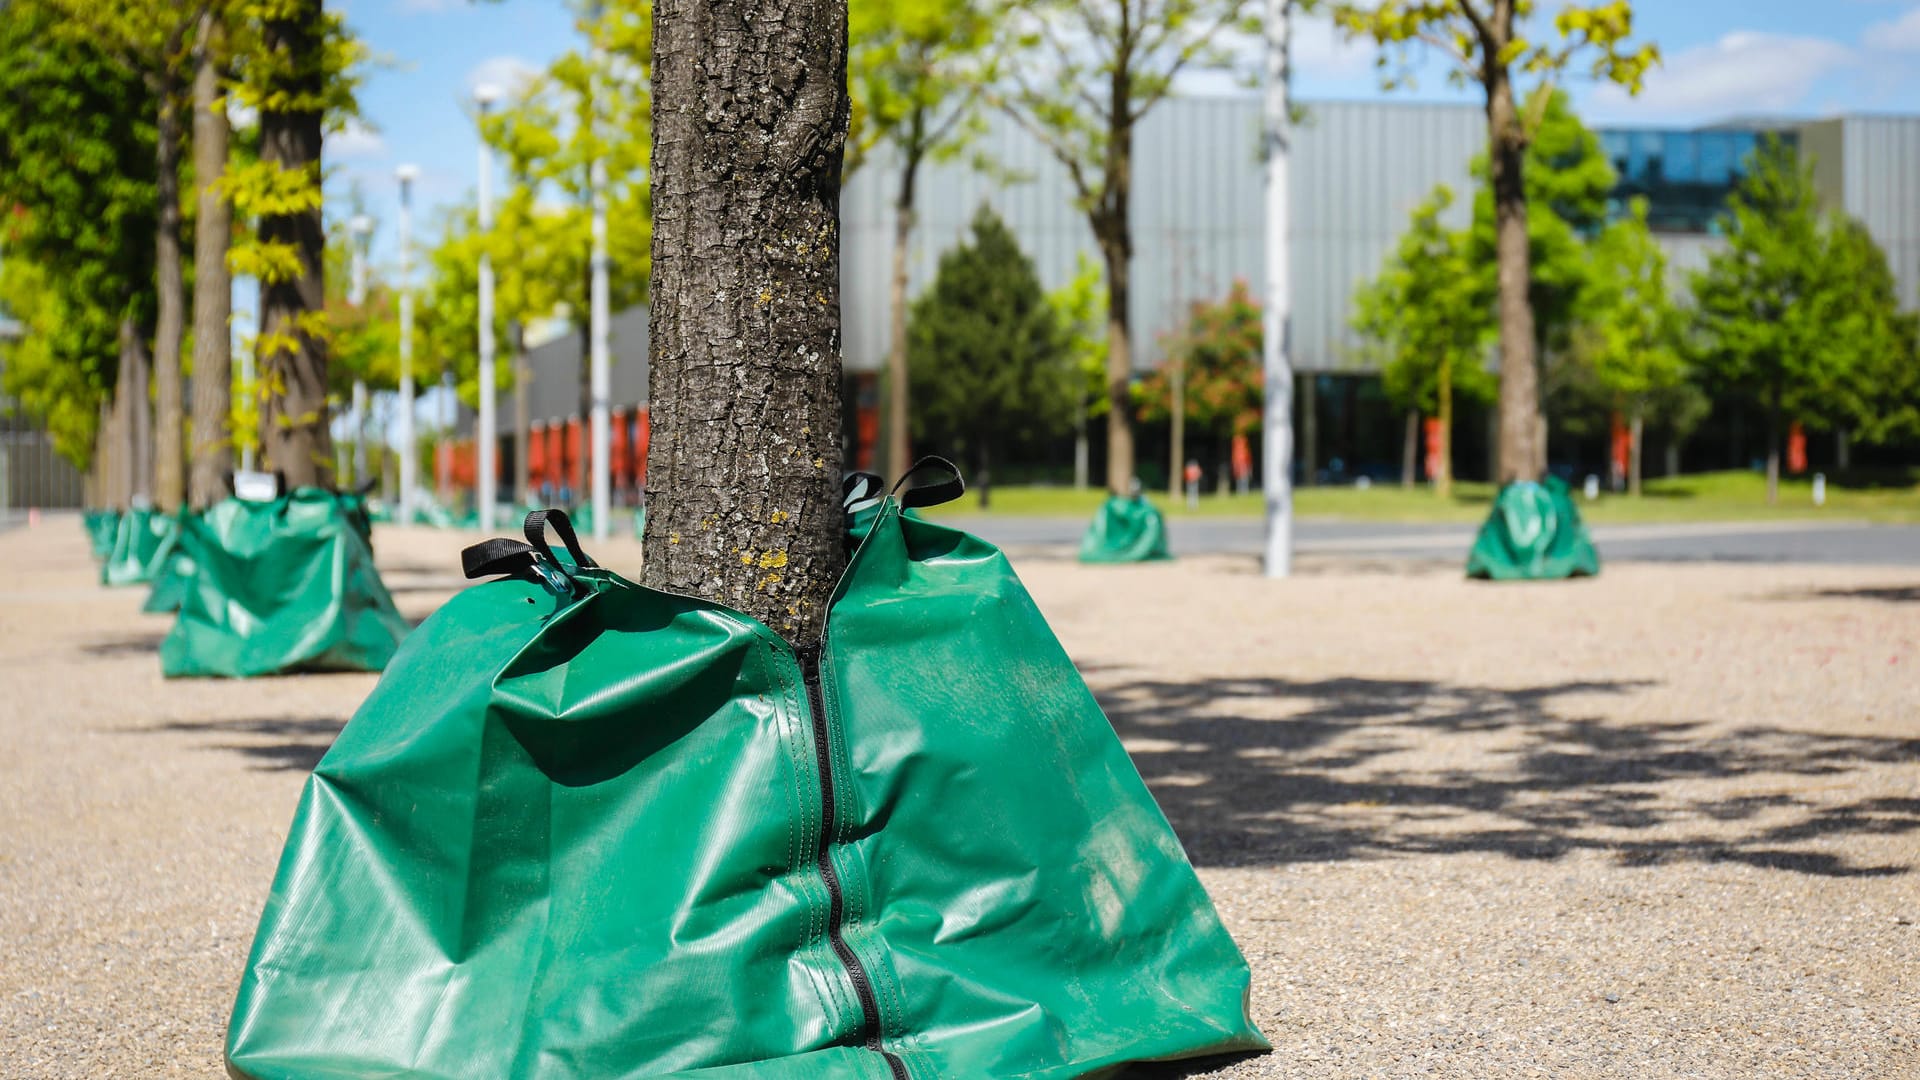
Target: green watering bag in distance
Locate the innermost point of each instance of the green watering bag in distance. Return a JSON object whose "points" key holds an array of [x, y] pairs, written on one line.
{"points": [[238, 526], [1534, 533], [304, 598], [1125, 529], [143, 541], [584, 829]]}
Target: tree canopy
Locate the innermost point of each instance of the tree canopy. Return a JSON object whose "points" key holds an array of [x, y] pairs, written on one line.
{"points": [[992, 366]]}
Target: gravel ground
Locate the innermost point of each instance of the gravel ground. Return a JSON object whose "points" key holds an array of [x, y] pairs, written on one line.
{"points": [[1665, 823]]}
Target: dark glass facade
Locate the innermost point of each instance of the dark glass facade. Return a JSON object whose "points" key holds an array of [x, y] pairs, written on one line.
{"points": [[1685, 176]]}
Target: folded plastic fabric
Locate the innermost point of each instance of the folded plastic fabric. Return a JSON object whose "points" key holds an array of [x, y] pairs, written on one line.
{"points": [[1125, 529], [142, 542], [586, 829], [305, 597], [1534, 533]]}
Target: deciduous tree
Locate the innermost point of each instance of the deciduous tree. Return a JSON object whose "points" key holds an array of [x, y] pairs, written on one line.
{"points": [[1081, 77], [1632, 333], [992, 365], [1487, 45], [1219, 351]]}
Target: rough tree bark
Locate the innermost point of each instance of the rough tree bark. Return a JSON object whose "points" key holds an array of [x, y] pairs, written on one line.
{"points": [[134, 424], [899, 434], [294, 358], [750, 118], [1520, 442], [522, 376], [212, 283], [1115, 234], [1409, 452], [170, 459], [1637, 430]]}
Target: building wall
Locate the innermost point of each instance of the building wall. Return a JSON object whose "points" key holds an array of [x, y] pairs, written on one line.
{"points": [[1358, 171], [1880, 181]]}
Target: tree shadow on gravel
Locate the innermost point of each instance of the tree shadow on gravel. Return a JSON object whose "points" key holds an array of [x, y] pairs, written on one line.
{"points": [[1271, 771], [1887, 594], [281, 742]]}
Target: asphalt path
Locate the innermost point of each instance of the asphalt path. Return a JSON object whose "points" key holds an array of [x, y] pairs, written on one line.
{"points": [[1837, 542]]}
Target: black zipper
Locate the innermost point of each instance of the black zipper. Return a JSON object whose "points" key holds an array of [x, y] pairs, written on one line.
{"points": [[809, 658]]}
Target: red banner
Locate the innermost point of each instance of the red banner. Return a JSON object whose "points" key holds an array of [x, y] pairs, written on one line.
{"points": [[1796, 448], [1435, 445]]}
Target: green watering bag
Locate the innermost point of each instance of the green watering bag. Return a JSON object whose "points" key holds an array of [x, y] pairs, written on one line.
{"points": [[143, 541], [587, 830], [305, 597], [1126, 529], [101, 526], [1534, 533], [234, 525]]}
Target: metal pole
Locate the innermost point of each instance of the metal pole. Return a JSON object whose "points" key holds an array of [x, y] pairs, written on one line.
{"points": [[1276, 323], [362, 229], [597, 375], [407, 174], [487, 439]]}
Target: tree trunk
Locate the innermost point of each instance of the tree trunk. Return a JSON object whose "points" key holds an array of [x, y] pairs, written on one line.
{"points": [[1443, 476], [1520, 448], [293, 357], [1080, 449], [212, 282], [522, 425], [1177, 433], [136, 428], [1773, 444], [1119, 369], [1409, 443], [579, 478], [1842, 449], [1113, 228], [750, 120], [1673, 455], [1636, 432], [899, 432], [170, 482]]}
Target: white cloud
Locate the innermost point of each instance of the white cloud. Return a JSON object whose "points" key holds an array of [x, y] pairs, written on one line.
{"points": [[355, 140], [1900, 35], [1743, 72], [509, 73], [1319, 49]]}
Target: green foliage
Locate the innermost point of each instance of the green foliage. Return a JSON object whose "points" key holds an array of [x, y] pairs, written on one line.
{"points": [[1219, 350], [1632, 332], [991, 364], [1080, 306], [586, 105], [912, 73], [1799, 308], [1591, 34], [1428, 317], [77, 195]]}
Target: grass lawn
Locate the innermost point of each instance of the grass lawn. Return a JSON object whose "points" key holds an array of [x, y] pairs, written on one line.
{"points": [[1722, 496]]}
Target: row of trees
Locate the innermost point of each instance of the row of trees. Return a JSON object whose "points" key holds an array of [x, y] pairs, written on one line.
{"points": [[125, 186], [1796, 313]]}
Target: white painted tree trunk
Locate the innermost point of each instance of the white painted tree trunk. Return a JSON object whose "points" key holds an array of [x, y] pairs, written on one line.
{"points": [[1277, 314]]}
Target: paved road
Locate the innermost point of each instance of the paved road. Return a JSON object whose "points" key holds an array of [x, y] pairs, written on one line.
{"points": [[1851, 543]]}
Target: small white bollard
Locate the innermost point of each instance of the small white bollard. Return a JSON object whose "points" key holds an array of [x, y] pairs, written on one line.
{"points": [[1593, 487], [1819, 489], [1363, 482]]}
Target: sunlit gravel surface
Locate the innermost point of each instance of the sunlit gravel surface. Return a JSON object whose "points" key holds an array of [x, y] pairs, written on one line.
{"points": [[1665, 823]]}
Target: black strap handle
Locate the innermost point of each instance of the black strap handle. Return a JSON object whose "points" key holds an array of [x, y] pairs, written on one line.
{"points": [[497, 556], [536, 529], [931, 493]]}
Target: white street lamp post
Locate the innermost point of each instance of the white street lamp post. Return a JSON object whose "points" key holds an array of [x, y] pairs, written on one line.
{"points": [[487, 439], [599, 387], [1276, 322], [406, 174]]}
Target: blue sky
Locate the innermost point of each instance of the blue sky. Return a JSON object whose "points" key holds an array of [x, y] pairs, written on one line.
{"points": [[1723, 58]]}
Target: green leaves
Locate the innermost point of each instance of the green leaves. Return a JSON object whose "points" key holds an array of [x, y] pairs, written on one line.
{"points": [[1219, 350], [991, 364], [1427, 319], [1803, 305]]}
